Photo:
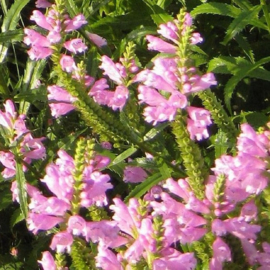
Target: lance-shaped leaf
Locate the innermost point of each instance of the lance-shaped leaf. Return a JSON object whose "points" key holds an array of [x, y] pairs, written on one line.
{"points": [[216, 9], [145, 186], [239, 23], [21, 185], [10, 22]]}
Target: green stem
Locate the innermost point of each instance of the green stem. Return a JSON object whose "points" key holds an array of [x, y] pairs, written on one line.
{"points": [[191, 155], [219, 115]]}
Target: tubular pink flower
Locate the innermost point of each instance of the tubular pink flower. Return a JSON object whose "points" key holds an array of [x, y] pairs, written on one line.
{"points": [[54, 36], [47, 261], [41, 20], [221, 251], [196, 38], [106, 259], [75, 45], [44, 222], [203, 82], [62, 242], [60, 101], [134, 174], [67, 63], [157, 44], [119, 99], [111, 70], [174, 260], [34, 38], [76, 225], [195, 131], [75, 23], [38, 52], [97, 40], [199, 115], [169, 31]]}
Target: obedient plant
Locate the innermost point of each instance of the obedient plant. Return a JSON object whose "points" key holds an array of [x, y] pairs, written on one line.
{"points": [[135, 184]]}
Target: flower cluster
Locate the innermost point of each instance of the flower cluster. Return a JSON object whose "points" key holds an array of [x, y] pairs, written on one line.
{"points": [[19, 141], [166, 86], [56, 25]]}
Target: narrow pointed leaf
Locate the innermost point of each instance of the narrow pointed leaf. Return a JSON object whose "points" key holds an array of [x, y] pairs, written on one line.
{"points": [[21, 185], [244, 72], [239, 23], [216, 9], [124, 155], [145, 186], [10, 22]]}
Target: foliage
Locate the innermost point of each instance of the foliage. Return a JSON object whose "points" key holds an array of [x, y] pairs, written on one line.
{"points": [[121, 141]]}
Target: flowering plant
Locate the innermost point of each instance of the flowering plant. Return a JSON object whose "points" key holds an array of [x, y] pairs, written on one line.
{"points": [[116, 151]]}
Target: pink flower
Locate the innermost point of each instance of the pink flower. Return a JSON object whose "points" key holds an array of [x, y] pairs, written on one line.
{"points": [[199, 115], [47, 261], [96, 39], [75, 23], [44, 222], [67, 63], [160, 45], [111, 70], [76, 225], [7, 159], [196, 38], [123, 216], [62, 242], [120, 97], [41, 20], [203, 82], [34, 38], [174, 260], [60, 101], [221, 251], [169, 31], [94, 191], [195, 131], [75, 45], [43, 4], [38, 52], [249, 211], [134, 174], [250, 251], [106, 259], [151, 79]]}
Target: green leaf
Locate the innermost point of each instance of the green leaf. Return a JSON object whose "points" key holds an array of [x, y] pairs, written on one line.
{"points": [[141, 33], [38, 94], [216, 9], [164, 170], [244, 4], [239, 75], [160, 16], [32, 74], [13, 15], [92, 62], [5, 199], [244, 45], [10, 22], [123, 156], [72, 9], [239, 23], [145, 186], [12, 36], [16, 217], [4, 91], [155, 131], [21, 185], [220, 143]]}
